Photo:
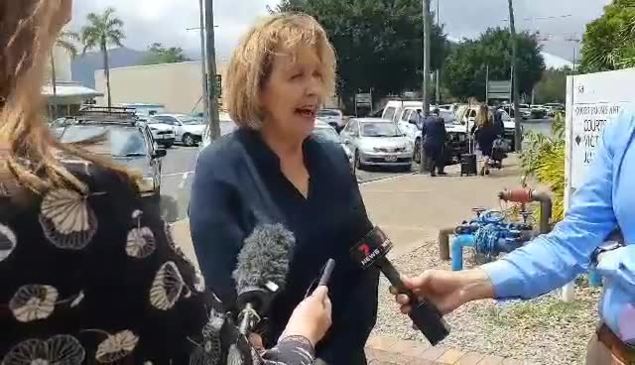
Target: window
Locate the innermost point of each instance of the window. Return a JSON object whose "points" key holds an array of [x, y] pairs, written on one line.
{"points": [[166, 120], [328, 113], [380, 130], [351, 127], [414, 118], [405, 114], [389, 113], [114, 141]]}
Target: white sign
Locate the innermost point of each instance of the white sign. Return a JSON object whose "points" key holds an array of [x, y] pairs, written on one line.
{"points": [[363, 99], [593, 101], [589, 121]]}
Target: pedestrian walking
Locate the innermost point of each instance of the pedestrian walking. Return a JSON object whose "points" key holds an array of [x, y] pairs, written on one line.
{"points": [[484, 133], [434, 137]]}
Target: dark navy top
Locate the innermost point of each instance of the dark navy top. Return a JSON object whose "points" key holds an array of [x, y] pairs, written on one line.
{"points": [[228, 202]]}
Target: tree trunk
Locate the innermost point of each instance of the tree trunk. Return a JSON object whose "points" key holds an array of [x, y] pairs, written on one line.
{"points": [[104, 50], [53, 84]]}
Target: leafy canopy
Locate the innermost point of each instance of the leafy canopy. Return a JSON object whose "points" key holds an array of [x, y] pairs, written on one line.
{"points": [[379, 43], [466, 67], [159, 54], [102, 30]]}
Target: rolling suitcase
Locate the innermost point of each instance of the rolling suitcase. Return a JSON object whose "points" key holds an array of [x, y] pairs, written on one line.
{"points": [[468, 160]]}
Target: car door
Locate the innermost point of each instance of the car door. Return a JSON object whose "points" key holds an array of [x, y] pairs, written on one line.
{"points": [[155, 162], [348, 135]]}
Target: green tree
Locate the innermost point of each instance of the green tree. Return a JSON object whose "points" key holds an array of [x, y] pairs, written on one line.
{"points": [[379, 43], [466, 67], [103, 30], [609, 42], [159, 54], [553, 86], [66, 41]]}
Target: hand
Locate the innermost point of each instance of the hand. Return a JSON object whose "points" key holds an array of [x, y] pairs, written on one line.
{"points": [[311, 318], [447, 290]]}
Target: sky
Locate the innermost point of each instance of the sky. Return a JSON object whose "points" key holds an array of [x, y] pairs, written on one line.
{"points": [[166, 21]]}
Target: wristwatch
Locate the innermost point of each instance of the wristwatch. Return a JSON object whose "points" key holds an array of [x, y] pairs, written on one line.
{"points": [[609, 246]]}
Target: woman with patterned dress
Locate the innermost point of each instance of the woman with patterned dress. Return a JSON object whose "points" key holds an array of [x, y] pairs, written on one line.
{"points": [[88, 275]]}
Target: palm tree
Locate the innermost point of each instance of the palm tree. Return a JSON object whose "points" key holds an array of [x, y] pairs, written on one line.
{"points": [[103, 30], [65, 40]]}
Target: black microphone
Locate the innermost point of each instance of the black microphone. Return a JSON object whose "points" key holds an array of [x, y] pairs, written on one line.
{"points": [[263, 264], [371, 251]]}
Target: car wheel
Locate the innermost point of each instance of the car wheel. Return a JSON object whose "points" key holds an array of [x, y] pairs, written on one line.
{"points": [[188, 140], [358, 163], [417, 152], [167, 145]]}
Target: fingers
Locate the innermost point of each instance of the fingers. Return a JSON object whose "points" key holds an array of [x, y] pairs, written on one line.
{"points": [[321, 293]]}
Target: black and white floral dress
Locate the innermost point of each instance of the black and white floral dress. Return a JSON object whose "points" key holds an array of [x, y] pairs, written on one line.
{"points": [[94, 278]]}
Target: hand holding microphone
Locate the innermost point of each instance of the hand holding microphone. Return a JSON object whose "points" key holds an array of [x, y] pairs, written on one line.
{"points": [[371, 251]]}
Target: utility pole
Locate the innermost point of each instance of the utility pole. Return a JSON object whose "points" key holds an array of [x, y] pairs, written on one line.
{"points": [[201, 7], [212, 91], [517, 117], [426, 72], [436, 75]]}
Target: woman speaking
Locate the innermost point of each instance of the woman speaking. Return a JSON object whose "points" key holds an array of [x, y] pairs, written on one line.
{"points": [[272, 170]]}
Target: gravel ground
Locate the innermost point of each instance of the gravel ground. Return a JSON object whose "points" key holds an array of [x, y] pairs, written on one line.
{"points": [[543, 330]]}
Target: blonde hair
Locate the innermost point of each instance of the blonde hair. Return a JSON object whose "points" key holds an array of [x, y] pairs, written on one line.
{"points": [[482, 117], [28, 29], [251, 63]]}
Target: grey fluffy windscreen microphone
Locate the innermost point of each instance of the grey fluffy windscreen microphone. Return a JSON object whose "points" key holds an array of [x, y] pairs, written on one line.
{"points": [[261, 271]]}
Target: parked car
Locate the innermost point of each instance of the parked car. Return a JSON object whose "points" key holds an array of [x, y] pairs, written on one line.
{"points": [[162, 133], [227, 126], [377, 142], [333, 117], [188, 129], [324, 130], [120, 135]]}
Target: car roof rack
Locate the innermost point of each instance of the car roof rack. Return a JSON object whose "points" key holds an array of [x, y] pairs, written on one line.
{"points": [[107, 115]]}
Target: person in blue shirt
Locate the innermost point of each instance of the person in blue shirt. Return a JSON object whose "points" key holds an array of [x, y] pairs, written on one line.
{"points": [[603, 203]]}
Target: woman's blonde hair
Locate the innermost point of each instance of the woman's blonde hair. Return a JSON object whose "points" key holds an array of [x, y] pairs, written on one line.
{"points": [[482, 117], [251, 62], [28, 29]]}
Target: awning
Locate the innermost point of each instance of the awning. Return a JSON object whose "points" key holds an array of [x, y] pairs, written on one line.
{"points": [[70, 90]]}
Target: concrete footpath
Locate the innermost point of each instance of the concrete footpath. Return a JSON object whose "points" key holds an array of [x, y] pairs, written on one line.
{"points": [[412, 209]]}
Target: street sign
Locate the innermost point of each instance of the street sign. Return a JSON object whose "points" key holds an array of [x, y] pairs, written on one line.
{"points": [[499, 89], [593, 101], [364, 99]]}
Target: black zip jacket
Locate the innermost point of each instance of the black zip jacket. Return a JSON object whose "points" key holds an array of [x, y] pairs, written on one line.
{"points": [[228, 201]]}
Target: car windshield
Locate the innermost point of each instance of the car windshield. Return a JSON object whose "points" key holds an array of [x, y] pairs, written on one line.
{"points": [[328, 113], [380, 130], [192, 121], [328, 134], [115, 141]]}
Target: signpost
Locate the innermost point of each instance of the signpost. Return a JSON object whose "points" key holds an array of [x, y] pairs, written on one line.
{"points": [[593, 102], [363, 100], [498, 90]]}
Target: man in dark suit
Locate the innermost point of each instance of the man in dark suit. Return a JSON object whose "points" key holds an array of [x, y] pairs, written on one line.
{"points": [[434, 136]]}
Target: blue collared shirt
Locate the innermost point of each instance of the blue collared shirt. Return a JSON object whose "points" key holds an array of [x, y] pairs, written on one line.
{"points": [[604, 202]]}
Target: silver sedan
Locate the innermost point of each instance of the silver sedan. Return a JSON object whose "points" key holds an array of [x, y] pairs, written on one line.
{"points": [[378, 142]]}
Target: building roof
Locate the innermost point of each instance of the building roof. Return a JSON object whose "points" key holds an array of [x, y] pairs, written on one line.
{"points": [[70, 89]]}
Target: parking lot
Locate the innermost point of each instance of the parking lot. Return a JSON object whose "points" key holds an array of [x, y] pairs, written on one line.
{"points": [[178, 170], [180, 162]]}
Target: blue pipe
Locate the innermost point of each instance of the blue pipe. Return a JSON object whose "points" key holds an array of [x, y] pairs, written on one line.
{"points": [[460, 241], [595, 279]]}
